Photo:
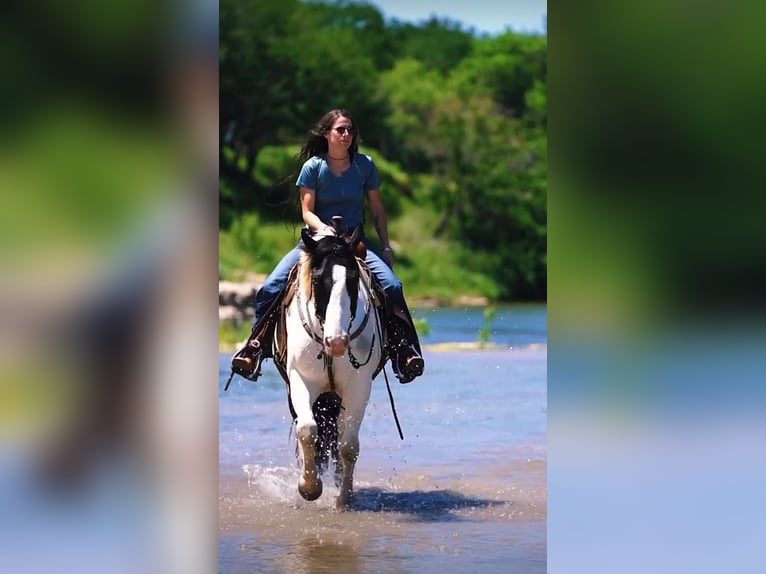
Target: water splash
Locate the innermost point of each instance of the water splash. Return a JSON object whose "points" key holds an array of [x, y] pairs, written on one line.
{"points": [[274, 483], [279, 484]]}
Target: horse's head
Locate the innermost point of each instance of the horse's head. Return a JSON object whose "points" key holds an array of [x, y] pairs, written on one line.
{"points": [[335, 283]]}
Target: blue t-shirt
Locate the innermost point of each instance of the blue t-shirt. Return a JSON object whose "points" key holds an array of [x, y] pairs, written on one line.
{"points": [[340, 195]]}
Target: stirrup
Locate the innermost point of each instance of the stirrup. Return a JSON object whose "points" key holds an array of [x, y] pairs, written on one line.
{"points": [[248, 361], [413, 367]]}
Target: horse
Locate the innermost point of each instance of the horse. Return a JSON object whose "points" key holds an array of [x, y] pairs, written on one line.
{"points": [[332, 351]]}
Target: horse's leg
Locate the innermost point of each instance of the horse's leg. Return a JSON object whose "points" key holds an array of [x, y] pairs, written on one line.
{"points": [[349, 452], [338, 474], [348, 445], [309, 483]]}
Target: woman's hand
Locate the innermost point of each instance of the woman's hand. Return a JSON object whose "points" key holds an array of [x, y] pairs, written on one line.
{"points": [[388, 256]]}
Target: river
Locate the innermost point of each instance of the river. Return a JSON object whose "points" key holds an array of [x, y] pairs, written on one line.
{"points": [[465, 491]]}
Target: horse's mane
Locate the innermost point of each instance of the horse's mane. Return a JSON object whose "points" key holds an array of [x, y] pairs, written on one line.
{"points": [[304, 275]]}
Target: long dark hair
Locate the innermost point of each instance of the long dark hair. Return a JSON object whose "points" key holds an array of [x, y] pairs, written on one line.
{"points": [[316, 144]]}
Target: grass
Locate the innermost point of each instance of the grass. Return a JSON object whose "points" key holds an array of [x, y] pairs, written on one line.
{"points": [[231, 336], [430, 266], [484, 332], [252, 245]]}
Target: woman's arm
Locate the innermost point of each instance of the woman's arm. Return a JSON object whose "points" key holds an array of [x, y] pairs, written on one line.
{"points": [[381, 223], [307, 209]]}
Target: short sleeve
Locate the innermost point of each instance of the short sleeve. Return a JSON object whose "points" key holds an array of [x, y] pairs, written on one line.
{"points": [[372, 181], [309, 175]]}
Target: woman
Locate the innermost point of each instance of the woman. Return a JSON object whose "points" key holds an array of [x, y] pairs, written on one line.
{"points": [[334, 180]]}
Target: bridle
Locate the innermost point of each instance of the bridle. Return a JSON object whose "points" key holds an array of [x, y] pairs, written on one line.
{"points": [[302, 304], [304, 312], [365, 282]]}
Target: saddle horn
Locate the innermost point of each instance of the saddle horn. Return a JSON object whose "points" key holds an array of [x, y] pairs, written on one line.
{"points": [[337, 223]]}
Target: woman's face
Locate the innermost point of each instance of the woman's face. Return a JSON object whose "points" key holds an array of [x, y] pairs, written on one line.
{"points": [[341, 134]]}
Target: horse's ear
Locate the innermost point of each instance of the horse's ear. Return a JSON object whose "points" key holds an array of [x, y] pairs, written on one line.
{"points": [[356, 235], [308, 241], [357, 245]]}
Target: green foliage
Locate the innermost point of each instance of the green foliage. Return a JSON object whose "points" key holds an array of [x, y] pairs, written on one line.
{"points": [[422, 326], [274, 175], [397, 183], [438, 43], [506, 67], [411, 91], [431, 267], [232, 335], [254, 244], [484, 331], [455, 122]]}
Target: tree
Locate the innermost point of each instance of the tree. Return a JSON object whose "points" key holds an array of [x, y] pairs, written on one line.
{"points": [[283, 63], [439, 43]]}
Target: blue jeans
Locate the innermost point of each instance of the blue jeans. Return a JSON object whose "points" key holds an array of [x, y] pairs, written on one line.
{"points": [[277, 279]]}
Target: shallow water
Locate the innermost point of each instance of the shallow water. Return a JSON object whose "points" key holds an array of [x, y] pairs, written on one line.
{"points": [[464, 491]]}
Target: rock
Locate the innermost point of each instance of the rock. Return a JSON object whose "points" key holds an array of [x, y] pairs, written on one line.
{"points": [[472, 301], [236, 301], [236, 294], [229, 313]]}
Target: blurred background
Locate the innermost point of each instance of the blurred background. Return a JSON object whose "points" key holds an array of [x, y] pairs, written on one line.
{"points": [[108, 171], [656, 367]]}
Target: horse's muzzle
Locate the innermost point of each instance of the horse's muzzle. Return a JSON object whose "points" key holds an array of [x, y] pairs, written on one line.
{"points": [[336, 346]]}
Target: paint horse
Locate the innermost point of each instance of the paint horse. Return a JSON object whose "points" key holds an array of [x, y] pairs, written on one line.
{"points": [[332, 350]]}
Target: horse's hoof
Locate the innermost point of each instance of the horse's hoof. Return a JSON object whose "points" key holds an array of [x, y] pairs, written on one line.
{"points": [[311, 494]]}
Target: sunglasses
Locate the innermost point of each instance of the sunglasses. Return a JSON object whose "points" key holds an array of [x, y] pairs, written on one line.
{"points": [[343, 129]]}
